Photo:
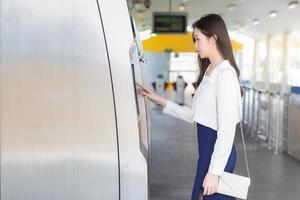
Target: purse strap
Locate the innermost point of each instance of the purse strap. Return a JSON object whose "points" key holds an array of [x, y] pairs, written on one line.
{"points": [[244, 146]]}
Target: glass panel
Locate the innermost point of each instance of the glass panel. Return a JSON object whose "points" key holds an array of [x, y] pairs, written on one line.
{"points": [[261, 60], [293, 59], [276, 52], [184, 64]]}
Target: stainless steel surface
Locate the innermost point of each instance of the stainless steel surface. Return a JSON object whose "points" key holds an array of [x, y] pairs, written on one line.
{"points": [[58, 128], [293, 144]]}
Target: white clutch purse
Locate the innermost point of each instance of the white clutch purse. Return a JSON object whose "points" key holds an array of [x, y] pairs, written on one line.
{"points": [[235, 185]]}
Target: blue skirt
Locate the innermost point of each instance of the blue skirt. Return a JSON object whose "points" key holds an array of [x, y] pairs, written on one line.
{"points": [[206, 141]]}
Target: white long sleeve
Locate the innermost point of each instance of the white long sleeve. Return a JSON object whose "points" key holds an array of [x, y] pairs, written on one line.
{"points": [[227, 96], [181, 112]]}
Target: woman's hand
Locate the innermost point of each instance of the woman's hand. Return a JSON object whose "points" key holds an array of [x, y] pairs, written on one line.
{"points": [[210, 184], [151, 95]]}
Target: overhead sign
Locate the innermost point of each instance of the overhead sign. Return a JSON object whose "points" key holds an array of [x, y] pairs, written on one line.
{"points": [[169, 22]]}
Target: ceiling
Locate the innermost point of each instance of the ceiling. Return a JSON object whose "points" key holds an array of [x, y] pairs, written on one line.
{"points": [[240, 19]]}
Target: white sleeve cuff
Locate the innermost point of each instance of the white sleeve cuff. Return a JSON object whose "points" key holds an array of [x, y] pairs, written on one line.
{"points": [[167, 107], [218, 172]]}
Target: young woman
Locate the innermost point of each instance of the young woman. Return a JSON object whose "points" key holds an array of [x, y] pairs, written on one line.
{"points": [[216, 107]]}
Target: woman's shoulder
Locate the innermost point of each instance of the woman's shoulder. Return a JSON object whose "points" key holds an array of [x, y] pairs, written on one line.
{"points": [[226, 71]]}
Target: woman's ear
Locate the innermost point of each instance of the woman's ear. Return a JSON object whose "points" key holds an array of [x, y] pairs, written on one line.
{"points": [[214, 38]]}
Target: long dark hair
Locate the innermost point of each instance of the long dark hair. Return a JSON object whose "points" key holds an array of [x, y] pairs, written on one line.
{"points": [[210, 25]]}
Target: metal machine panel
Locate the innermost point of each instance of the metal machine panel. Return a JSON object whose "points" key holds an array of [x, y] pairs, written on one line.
{"points": [[293, 144], [58, 128], [133, 164]]}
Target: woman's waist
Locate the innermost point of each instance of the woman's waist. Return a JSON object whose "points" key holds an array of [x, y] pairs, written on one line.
{"points": [[206, 123]]}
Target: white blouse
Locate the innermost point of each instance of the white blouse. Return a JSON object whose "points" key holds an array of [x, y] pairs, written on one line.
{"points": [[217, 104]]}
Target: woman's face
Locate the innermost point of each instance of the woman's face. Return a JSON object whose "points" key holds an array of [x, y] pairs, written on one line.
{"points": [[203, 44]]}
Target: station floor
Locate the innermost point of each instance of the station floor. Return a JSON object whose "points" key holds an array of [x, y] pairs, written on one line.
{"points": [[174, 155]]}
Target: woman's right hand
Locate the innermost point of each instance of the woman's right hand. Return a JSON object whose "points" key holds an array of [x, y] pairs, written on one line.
{"points": [[151, 95]]}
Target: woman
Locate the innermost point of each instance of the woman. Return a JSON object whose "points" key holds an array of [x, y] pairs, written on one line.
{"points": [[216, 106]]}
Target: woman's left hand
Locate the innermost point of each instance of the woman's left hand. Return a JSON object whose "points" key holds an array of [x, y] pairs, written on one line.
{"points": [[210, 184]]}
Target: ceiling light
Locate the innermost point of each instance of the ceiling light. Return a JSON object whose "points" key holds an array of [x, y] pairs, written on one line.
{"points": [[231, 7], [185, 0], [255, 22], [273, 13], [189, 29], [181, 7], [293, 4]]}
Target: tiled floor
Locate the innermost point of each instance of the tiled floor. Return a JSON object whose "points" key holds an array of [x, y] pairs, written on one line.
{"points": [[174, 155]]}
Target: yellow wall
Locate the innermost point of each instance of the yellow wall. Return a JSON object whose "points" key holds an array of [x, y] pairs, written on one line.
{"points": [[177, 42]]}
